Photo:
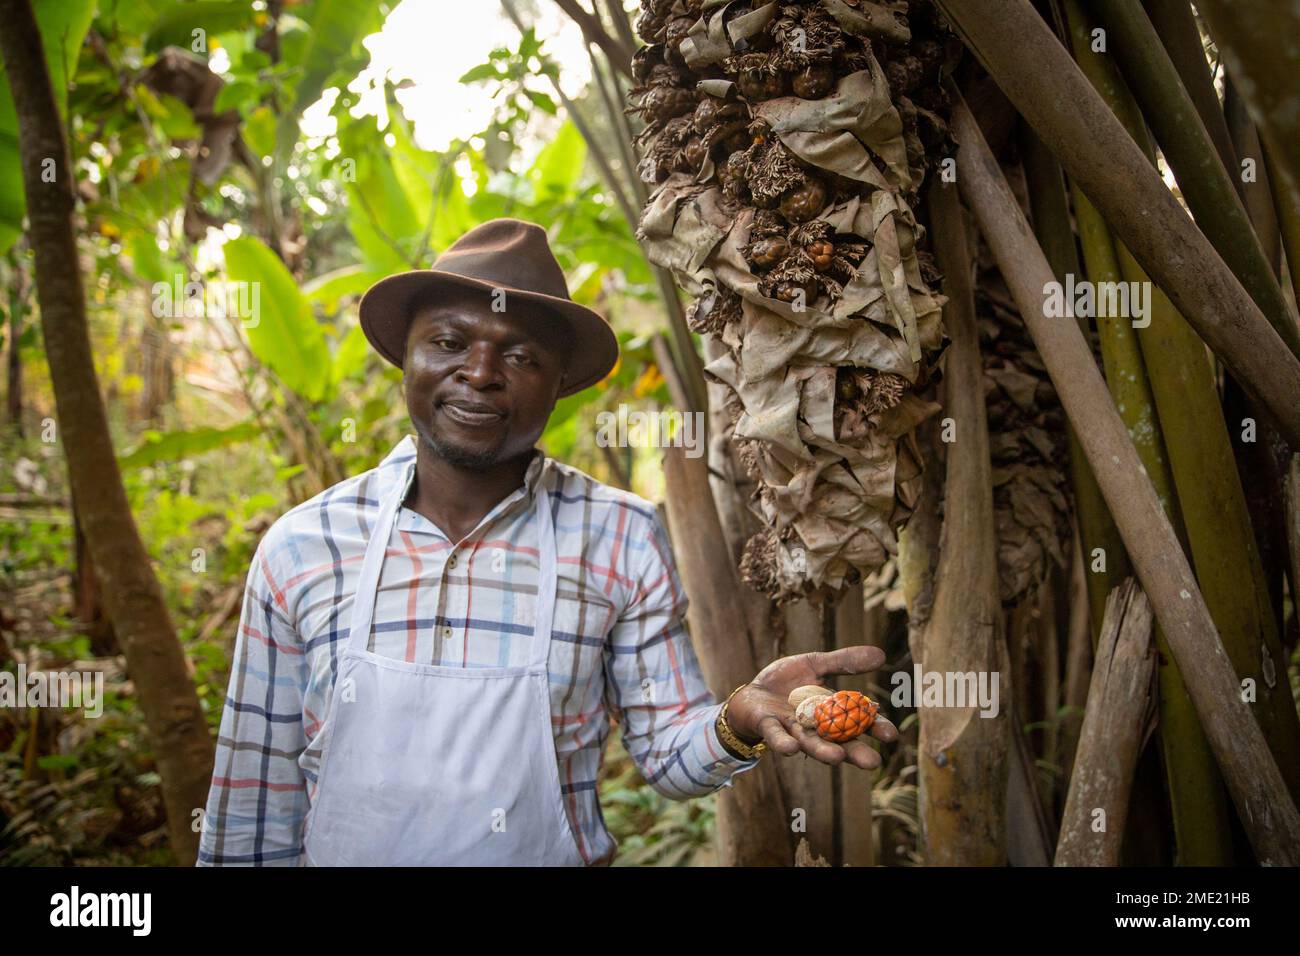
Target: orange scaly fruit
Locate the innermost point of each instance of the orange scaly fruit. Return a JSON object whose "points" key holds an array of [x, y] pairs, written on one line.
{"points": [[844, 715]]}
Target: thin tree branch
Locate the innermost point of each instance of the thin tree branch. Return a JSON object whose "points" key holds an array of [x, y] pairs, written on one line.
{"points": [[619, 55]]}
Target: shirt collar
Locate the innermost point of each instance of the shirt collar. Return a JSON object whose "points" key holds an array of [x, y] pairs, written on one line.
{"points": [[399, 465]]}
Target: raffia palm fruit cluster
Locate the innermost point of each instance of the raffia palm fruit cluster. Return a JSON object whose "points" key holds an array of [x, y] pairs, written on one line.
{"points": [[1028, 443], [837, 716], [785, 143]]}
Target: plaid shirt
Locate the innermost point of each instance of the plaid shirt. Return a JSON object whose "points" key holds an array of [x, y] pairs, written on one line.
{"points": [[619, 646]]}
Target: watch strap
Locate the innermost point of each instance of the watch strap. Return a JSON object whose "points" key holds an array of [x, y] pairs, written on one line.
{"points": [[731, 740]]}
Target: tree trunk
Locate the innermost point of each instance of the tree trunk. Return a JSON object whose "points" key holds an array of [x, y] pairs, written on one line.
{"points": [[180, 736], [1078, 660], [87, 596], [1211, 500], [962, 758], [807, 784], [1195, 795], [1189, 149], [1039, 77], [17, 309], [1051, 215], [1176, 26], [752, 822], [1121, 706], [1257, 786]]}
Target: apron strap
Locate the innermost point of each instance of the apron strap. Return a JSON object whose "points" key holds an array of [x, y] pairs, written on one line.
{"points": [[363, 603], [363, 606], [547, 580]]}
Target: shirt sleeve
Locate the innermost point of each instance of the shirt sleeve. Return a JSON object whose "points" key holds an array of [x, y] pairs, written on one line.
{"points": [[666, 712], [258, 800]]}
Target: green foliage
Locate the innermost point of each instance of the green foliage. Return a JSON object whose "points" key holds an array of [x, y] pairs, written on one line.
{"points": [[63, 27], [326, 46], [174, 24], [317, 223], [172, 446], [516, 75], [651, 830], [283, 335]]}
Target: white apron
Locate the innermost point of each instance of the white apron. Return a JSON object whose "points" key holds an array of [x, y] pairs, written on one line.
{"points": [[425, 765]]}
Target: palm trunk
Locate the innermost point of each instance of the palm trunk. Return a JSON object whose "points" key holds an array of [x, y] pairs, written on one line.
{"points": [[1176, 26], [962, 758], [1078, 659], [180, 736], [1257, 196], [1118, 718], [1051, 215], [1190, 152], [1266, 808], [752, 822], [1210, 496], [1197, 801], [1038, 75], [854, 845], [1286, 203]]}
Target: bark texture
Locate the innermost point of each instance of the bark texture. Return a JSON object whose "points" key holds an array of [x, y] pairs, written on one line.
{"points": [[179, 735]]}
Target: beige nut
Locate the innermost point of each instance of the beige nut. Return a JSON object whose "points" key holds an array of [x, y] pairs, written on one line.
{"points": [[800, 694], [806, 712]]}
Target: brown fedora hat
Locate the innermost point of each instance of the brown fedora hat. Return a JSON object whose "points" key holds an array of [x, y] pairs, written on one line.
{"points": [[506, 254]]}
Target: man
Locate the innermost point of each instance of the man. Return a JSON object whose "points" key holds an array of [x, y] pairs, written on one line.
{"points": [[429, 653]]}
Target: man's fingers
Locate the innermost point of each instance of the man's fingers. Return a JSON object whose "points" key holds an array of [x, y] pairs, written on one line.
{"points": [[777, 739], [858, 659], [861, 754], [884, 731], [816, 747]]}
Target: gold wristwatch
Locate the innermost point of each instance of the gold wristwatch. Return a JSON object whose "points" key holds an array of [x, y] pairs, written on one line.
{"points": [[734, 745]]}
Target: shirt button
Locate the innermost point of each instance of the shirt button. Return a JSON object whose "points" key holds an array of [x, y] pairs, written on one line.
{"points": [[446, 632], [451, 562]]}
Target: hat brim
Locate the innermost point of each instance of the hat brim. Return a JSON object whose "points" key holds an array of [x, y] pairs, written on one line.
{"points": [[386, 317]]}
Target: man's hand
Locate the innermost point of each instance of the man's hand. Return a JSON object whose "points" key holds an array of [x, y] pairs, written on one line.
{"points": [[761, 710]]}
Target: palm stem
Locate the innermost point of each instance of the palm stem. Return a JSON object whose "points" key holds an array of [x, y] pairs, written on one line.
{"points": [[1210, 495], [1191, 154]]}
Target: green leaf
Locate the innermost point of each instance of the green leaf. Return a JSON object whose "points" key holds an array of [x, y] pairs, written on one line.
{"points": [[173, 117], [57, 761], [484, 71], [529, 45], [63, 27], [176, 26], [387, 221], [238, 95], [542, 101], [154, 193], [351, 355], [146, 258], [173, 446], [8, 233], [259, 131], [326, 290], [335, 27], [560, 439], [556, 170], [283, 335]]}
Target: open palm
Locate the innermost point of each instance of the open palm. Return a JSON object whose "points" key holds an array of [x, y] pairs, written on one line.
{"points": [[762, 708]]}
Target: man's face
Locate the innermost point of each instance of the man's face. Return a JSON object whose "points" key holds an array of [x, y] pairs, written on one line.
{"points": [[479, 384]]}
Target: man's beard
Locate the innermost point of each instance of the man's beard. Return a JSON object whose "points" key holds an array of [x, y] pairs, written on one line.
{"points": [[459, 456]]}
